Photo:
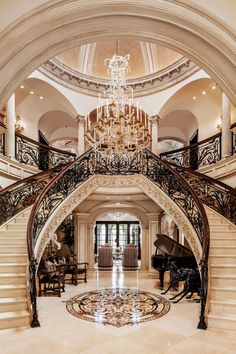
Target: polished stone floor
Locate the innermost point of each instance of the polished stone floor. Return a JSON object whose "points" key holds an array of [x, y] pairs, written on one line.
{"points": [[61, 332]]}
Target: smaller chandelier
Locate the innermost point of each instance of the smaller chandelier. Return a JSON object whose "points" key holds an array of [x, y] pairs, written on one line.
{"points": [[118, 126]]}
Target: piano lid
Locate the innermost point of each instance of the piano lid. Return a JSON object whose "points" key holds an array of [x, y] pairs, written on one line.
{"points": [[170, 247]]}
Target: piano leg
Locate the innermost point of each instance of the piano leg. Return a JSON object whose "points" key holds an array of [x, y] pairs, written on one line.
{"points": [[161, 272]]}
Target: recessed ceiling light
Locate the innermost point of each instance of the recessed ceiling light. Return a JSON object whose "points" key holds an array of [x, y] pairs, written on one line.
{"points": [[213, 87], [41, 97], [203, 92], [194, 97], [31, 92], [22, 86]]}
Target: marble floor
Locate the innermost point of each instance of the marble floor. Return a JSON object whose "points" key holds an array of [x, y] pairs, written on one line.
{"points": [[62, 333]]}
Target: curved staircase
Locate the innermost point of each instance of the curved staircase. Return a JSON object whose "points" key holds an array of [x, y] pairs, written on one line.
{"points": [[14, 311], [222, 272]]}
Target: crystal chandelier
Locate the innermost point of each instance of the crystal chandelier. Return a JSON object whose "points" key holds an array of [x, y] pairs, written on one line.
{"points": [[119, 126]]}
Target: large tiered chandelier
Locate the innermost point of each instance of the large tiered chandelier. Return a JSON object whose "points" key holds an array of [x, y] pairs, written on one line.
{"points": [[119, 127]]}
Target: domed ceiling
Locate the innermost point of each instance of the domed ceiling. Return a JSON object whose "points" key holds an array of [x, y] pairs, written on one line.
{"points": [[145, 58]]}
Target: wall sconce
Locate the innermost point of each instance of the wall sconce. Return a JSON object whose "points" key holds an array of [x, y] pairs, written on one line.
{"points": [[219, 125], [19, 126]]}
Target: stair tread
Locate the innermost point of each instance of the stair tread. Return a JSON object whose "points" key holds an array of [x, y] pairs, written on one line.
{"points": [[13, 254], [232, 288], [15, 286], [228, 255], [223, 265], [225, 302], [232, 318], [224, 276], [10, 300], [12, 264], [4, 275], [8, 315], [222, 247]]}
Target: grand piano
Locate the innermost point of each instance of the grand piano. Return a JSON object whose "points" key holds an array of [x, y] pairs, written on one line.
{"points": [[169, 249]]}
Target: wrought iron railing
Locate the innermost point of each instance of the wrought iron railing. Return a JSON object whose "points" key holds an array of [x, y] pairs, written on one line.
{"points": [[213, 193], [30, 152], [159, 172], [204, 153], [2, 143], [23, 194], [233, 139]]}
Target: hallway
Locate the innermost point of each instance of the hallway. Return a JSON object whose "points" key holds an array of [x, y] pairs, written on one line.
{"points": [[61, 333]]}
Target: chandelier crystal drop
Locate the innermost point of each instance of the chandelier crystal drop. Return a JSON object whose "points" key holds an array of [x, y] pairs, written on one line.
{"points": [[118, 126]]}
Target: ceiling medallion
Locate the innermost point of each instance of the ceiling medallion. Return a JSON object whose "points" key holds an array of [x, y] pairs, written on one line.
{"points": [[120, 126]]}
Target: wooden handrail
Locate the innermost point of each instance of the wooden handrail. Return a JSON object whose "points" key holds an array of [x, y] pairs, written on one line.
{"points": [[190, 146], [45, 146]]}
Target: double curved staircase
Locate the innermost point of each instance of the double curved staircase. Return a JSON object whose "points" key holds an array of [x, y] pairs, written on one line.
{"points": [[15, 294]]}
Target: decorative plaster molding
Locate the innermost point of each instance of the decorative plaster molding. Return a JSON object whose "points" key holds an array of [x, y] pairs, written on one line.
{"points": [[52, 28], [97, 181], [142, 86]]}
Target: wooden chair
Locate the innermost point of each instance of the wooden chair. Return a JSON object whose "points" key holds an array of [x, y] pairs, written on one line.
{"points": [[51, 279], [78, 271]]}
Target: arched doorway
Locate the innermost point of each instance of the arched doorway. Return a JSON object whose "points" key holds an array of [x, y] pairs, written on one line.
{"points": [[118, 229]]}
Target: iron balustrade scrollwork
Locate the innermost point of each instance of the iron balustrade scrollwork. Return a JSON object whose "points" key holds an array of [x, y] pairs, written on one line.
{"points": [[213, 193], [233, 143], [204, 153], [43, 157], [23, 194], [2, 143], [146, 163]]}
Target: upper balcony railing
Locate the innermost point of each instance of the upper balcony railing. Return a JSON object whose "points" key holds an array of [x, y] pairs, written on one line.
{"points": [[2, 143], [32, 153], [206, 152], [233, 139]]}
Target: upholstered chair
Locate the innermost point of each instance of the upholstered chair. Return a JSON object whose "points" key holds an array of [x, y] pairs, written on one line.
{"points": [[105, 258], [130, 256]]}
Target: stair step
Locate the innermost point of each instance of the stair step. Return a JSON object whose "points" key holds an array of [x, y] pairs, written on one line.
{"points": [[216, 221], [12, 278], [223, 234], [220, 227], [13, 258], [16, 227], [219, 294], [20, 240], [223, 250], [222, 322], [223, 242], [223, 269], [13, 304], [222, 281], [225, 308], [227, 259], [21, 220], [13, 249], [9, 233], [14, 319], [13, 267], [12, 290]]}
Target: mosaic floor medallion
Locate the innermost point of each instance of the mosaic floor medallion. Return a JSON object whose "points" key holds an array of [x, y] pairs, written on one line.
{"points": [[118, 306]]}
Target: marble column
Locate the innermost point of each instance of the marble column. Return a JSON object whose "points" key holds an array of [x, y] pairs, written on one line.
{"points": [[154, 132], [226, 122], [81, 130], [144, 248], [81, 236], [152, 231], [90, 247], [11, 119]]}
